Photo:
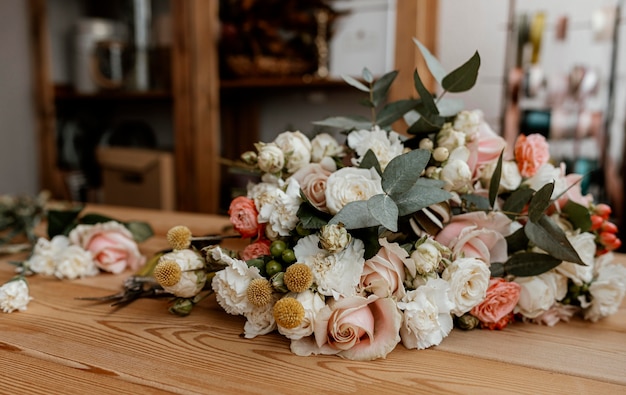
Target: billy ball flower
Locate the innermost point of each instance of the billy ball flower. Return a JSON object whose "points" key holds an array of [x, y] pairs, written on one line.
{"points": [[179, 237], [288, 312], [298, 277], [181, 273], [259, 292]]}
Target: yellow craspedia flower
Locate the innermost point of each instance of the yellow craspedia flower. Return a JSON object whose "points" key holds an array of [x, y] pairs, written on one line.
{"points": [[167, 273], [298, 277], [259, 292], [288, 312], [179, 237]]}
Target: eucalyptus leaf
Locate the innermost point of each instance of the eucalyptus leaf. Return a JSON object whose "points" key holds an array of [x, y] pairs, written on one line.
{"points": [[418, 197], [345, 123], [540, 202], [356, 83], [428, 101], [423, 126], [435, 68], [381, 87], [476, 202], [494, 183], [369, 160], [578, 215], [355, 215], [546, 235], [516, 202], [394, 111], [141, 231], [404, 170], [385, 210], [525, 264], [367, 75], [464, 77], [517, 241], [497, 269]]}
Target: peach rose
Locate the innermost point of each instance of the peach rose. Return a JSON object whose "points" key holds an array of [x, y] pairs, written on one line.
{"points": [[495, 310], [383, 274], [477, 235], [531, 152], [485, 147], [244, 216], [255, 250], [312, 179], [110, 244], [355, 327]]}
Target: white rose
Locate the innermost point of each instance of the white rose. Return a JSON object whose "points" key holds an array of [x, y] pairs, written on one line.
{"points": [[607, 292], [426, 319], [231, 283], [457, 175], [260, 321], [281, 212], [335, 274], [585, 246], [271, 158], [450, 138], [14, 296], [510, 177], [384, 146], [74, 262], [427, 257], [45, 253], [539, 293], [323, 146], [469, 280], [312, 302], [351, 184], [296, 148]]}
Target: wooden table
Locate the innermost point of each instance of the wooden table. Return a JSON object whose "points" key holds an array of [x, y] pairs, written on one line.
{"points": [[64, 345]]}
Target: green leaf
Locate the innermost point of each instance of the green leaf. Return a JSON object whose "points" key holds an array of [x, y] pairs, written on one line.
{"points": [[517, 241], [475, 202], [141, 231], [394, 111], [428, 101], [464, 77], [383, 208], [345, 123], [367, 75], [435, 68], [497, 269], [421, 195], [381, 87], [578, 215], [61, 221], [525, 264], [540, 202], [494, 183], [546, 235], [370, 160], [369, 236], [355, 215], [94, 218], [423, 126], [310, 217], [517, 201], [404, 170], [356, 83]]}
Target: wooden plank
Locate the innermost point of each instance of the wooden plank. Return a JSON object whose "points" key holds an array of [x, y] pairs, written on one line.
{"points": [[196, 105]]}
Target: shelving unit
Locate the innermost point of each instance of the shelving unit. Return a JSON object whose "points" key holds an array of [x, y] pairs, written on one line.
{"points": [[207, 121]]}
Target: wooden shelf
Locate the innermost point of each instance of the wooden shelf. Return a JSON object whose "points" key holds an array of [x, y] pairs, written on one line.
{"points": [[306, 81], [68, 94]]}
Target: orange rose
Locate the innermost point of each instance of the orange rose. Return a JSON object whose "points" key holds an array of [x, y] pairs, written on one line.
{"points": [[495, 310], [531, 152], [244, 216], [256, 250]]}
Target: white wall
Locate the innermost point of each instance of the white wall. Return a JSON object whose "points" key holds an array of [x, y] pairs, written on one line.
{"points": [[18, 149]]}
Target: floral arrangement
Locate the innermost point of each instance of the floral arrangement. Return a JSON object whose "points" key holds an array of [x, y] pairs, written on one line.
{"points": [[76, 246], [391, 239]]}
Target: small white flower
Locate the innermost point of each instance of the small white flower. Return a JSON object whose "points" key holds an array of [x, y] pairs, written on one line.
{"points": [[457, 175], [231, 283], [297, 149], [468, 122], [469, 280], [427, 256], [312, 302], [450, 138], [334, 238], [350, 184], [385, 146], [335, 274], [260, 320], [323, 146], [271, 158], [426, 318], [14, 296]]}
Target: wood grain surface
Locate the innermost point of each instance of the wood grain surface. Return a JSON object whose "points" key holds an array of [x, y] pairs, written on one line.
{"points": [[61, 345]]}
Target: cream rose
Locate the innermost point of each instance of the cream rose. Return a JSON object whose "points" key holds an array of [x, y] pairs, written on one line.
{"points": [[296, 148], [469, 280], [351, 184], [385, 145], [271, 158], [312, 179], [539, 293], [384, 274], [323, 146]]}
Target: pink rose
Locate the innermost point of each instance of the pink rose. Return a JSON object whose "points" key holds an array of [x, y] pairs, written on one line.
{"points": [[255, 250], [531, 152], [485, 147], [244, 216], [355, 327], [312, 179], [477, 235], [111, 245], [383, 274], [494, 311]]}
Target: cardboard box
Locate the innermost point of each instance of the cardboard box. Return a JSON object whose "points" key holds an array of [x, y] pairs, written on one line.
{"points": [[137, 177]]}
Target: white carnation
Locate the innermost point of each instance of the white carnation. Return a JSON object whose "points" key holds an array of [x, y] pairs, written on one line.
{"points": [[426, 315], [539, 293], [350, 184], [312, 303], [45, 253], [193, 276], [335, 274], [74, 262], [231, 283], [281, 212], [469, 280], [385, 146], [260, 320], [263, 193], [14, 296], [297, 149]]}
